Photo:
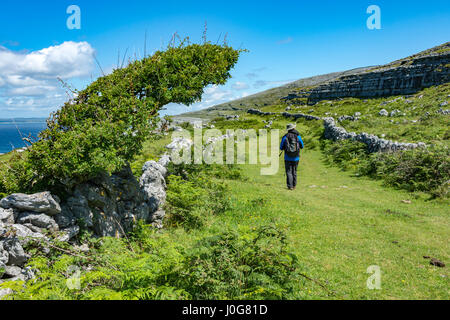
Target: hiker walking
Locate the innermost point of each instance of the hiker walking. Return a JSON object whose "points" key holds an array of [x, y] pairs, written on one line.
{"points": [[291, 145]]}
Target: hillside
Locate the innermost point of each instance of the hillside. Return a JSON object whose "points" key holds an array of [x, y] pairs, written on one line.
{"points": [[270, 96], [404, 76], [160, 230]]}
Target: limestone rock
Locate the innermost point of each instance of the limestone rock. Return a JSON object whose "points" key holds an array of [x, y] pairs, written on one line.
{"points": [[17, 257], [14, 273], [77, 208], [42, 202], [66, 218], [164, 161], [69, 233], [2, 269], [38, 220], [383, 113], [152, 165], [179, 144], [394, 113], [4, 293], [7, 216], [393, 79], [153, 184], [4, 255]]}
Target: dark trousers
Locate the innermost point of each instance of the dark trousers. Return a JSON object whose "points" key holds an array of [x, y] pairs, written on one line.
{"points": [[291, 173]]}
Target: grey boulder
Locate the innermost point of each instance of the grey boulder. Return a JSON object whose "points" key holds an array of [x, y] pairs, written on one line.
{"points": [[2, 269], [66, 218], [69, 233], [42, 202], [24, 234], [4, 256], [38, 220], [383, 113], [153, 185], [7, 216], [14, 273], [152, 165], [17, 257], [5, 292]]}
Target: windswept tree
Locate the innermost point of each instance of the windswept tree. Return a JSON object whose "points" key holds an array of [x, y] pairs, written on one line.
{"points": [[104, 127]]}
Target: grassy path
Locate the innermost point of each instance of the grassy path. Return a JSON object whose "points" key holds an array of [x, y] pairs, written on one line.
{"points": [[340, 225]]}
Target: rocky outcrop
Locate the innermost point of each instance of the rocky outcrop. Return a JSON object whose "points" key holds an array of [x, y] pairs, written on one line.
{"points": [[40, 202], [401, 77], [261, 113], [444, 112]]}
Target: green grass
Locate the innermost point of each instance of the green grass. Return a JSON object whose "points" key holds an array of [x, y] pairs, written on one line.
{"points": [[337, 225], [6, 156], [414, 126], [340, 225], [152, 149]]}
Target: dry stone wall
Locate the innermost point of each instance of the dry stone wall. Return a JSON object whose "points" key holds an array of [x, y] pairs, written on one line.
{"points": [[108, 206], [334, 132]]}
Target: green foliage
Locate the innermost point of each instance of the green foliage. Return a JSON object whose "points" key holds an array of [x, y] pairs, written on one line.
{"points": [[16, 174], [194, 191], [255, 265], [413, 170], [151, 266], [223, 123], [345, 153], [105, 126], [152, 149], [185, 199]]}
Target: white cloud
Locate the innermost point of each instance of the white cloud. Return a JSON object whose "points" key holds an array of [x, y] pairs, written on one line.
{"points": [[29, 81], [212, 96], [240, 86]]}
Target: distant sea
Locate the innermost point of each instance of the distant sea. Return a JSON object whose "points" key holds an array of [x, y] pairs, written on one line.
{"points": [[11, 131]]}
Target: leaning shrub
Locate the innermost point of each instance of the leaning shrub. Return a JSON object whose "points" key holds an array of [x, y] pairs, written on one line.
{"points": [[104, 127]]}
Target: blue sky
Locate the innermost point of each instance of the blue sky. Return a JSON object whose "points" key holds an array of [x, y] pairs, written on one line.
{"points": [[287, 40]]}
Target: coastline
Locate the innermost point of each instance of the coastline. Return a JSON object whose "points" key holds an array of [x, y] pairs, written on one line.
{"points": [[12, 132]]}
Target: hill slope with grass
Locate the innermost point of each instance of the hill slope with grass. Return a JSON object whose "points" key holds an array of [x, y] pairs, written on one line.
{"points": [[403, 76], [232, 233]]}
